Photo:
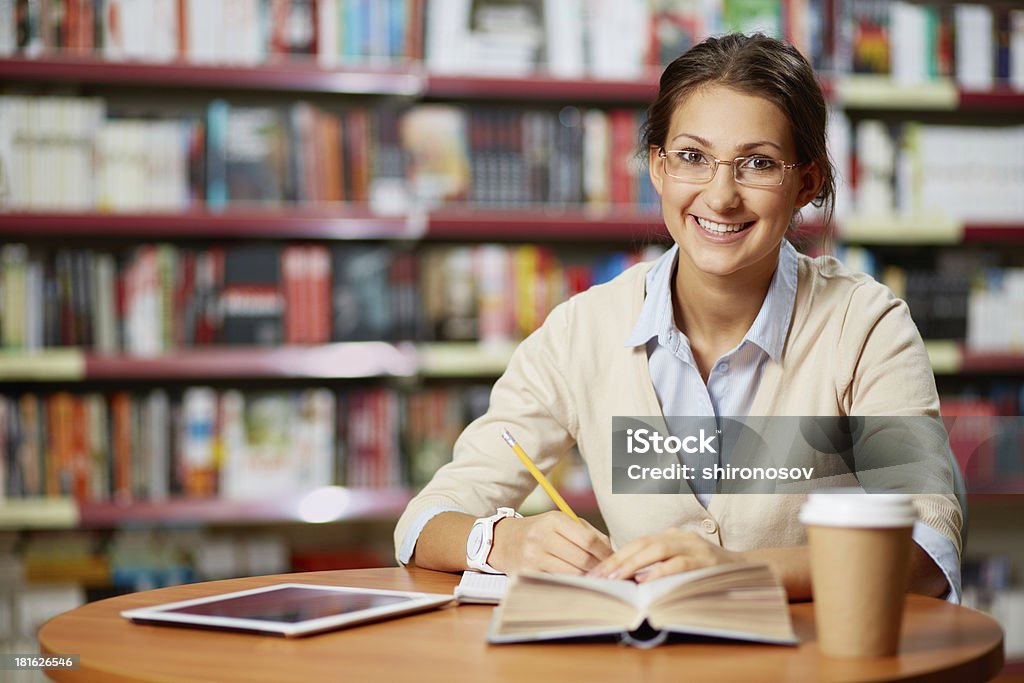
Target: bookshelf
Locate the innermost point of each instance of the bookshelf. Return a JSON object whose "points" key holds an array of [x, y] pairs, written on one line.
{"points": [[398, 85]]}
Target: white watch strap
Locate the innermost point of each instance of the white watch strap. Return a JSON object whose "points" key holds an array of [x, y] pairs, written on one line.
{"points": [[482, 564]]}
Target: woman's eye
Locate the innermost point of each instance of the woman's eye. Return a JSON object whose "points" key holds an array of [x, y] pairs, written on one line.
{"points": [[687, 156], [760, 164]]}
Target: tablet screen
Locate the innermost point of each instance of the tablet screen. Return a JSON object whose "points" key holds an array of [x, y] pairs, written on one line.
{"points": [[290, 604], [289, 609]]}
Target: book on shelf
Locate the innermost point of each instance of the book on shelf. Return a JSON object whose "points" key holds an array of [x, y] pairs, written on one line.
{"points": [[252, 301], [739, 601], [158, 444], [214, 32], [157, 298], [676, 27], [197, 456], [363, 299], [276, 443], [753, 16], [434, 137]]}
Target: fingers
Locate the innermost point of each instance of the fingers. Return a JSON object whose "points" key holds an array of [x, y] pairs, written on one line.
{"points": [[681, 550], [673, 565], [554, 542], [585, 537]]}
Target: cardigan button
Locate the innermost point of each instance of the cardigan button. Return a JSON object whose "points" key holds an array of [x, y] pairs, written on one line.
{"points": [[709, 526]]}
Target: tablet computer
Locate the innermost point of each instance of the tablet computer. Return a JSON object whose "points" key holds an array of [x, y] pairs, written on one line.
{"points": [[288, 609]]}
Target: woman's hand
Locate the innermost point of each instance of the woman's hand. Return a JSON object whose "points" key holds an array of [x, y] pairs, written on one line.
{"points": [[670, 552], [550, 542]]}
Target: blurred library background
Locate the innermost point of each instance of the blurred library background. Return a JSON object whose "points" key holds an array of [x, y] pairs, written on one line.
{"points": [[260, 260]]}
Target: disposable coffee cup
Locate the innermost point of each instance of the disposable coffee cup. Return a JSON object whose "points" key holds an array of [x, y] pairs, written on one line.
{"points": [[860, 567]]}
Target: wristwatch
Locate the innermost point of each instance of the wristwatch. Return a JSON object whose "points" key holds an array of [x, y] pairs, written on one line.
{"points": [[481, 538]]}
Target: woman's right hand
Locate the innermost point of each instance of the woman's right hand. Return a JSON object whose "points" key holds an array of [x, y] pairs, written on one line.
{"points": [[550, 542]]}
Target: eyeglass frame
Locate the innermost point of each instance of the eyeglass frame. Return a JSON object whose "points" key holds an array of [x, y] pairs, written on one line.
{"points": [[663, 154]]}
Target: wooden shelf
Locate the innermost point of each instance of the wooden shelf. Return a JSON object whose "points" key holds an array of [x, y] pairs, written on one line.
{"points": [[328, 505], [946, 356], [353, 360], [38, 513], [343, 360], [999, 99], [288, 76], [463, 223], [881, 92], [331, 361], [298, 75], [570, 224], [345, 222], [994, 233], [540, 87], [57, 365], [883, 229], [926, 230], [952, 358], [992, 362], [464, 359]]}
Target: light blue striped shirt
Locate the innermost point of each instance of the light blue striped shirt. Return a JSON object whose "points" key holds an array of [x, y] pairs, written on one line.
{"points": [[736, 376]]}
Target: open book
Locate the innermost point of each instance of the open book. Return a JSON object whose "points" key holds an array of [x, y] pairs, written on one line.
{"points": [[743, 601]]}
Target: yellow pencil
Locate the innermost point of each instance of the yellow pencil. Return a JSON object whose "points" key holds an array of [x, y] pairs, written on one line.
{"points": [[538, 475]]}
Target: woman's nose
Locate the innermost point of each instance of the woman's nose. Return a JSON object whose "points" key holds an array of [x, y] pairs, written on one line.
{"points": [[722, 191]]}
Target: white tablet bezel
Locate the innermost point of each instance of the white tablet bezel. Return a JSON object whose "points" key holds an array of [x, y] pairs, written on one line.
{"points": [[159, 613]]}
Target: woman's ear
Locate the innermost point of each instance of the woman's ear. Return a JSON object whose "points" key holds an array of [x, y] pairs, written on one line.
{"points": [[811, 180], [655, 168]]}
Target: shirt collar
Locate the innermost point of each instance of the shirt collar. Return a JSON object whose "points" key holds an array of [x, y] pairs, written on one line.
{"points": [[769, 328]]}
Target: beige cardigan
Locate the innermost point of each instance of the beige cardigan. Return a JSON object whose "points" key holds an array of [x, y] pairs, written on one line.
{"points": [[852, 349]]}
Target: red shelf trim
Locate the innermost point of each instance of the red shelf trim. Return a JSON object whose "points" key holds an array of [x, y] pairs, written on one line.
{"points": [[358, 222], [639, 91], [401, 79], [550, 224], [978, 361], [999, 98], [331, 361], [347, 223], [288, 76], [361, 504], [994, 232]]}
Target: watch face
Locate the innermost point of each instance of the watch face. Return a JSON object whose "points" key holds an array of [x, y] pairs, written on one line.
{"points": [[475, 541]]}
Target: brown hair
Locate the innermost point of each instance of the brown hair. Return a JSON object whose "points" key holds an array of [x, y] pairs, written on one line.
{"points": [[755, 65]]}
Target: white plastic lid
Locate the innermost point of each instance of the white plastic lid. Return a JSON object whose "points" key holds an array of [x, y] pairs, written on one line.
{"points": [[855, 508]]}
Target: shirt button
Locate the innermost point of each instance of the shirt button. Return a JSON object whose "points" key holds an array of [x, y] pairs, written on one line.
{"points": [[709, 526], [722, 367]]}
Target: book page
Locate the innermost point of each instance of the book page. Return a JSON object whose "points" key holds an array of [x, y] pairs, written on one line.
{"points": [[624, 590], [696, 582], [546, 606], [738, 601]]}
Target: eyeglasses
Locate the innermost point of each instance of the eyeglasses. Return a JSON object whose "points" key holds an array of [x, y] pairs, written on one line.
{"points": [[696, 167]]}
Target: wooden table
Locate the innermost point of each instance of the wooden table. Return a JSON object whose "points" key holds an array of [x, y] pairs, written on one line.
{"points": [[941, 642]]}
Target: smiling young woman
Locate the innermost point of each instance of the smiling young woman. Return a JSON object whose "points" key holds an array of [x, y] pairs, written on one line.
{"points": [[731, 321]]}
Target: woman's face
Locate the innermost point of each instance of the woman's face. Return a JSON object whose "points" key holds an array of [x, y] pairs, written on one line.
{"points": [[724, 228]]}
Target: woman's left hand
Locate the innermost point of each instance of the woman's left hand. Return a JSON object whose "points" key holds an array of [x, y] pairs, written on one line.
{"points": [[670, 552]]}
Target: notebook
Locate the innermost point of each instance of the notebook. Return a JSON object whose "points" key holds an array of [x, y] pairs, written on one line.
{"points": [[478, 587]]}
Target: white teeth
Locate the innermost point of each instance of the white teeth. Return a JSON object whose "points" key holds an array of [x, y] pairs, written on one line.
{"points": [[720, 228]]}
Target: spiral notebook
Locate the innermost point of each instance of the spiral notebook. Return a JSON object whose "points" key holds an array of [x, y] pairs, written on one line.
{"points": [[477, 587]]}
